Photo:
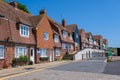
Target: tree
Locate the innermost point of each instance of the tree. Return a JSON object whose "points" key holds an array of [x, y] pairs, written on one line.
{"points": [[20, 6]]}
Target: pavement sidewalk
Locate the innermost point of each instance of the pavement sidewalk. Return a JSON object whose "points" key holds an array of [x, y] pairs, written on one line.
{"points": [[27, 68]]}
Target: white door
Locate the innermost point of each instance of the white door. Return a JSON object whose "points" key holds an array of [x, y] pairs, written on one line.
{"points": [[32, 55], [51, 55]]}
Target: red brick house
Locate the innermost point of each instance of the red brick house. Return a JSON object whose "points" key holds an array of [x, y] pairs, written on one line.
{"points": [[16, 36], [73, 29], [44, 36], [90, 39], [83, 39], [66, 39], [99, 39]]}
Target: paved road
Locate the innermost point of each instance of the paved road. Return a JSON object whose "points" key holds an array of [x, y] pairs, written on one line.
{"points": [[112, 68], [81, 70], [65, 75], [93, 66]]}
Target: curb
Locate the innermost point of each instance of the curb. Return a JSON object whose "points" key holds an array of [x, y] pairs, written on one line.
{"points": [[105, 61], [49, 65]]}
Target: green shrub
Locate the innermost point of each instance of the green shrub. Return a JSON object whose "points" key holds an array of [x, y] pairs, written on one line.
{"points": [[44, 58], [23, 58]]}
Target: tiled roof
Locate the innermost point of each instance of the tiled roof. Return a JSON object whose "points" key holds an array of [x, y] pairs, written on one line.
{"points": [[61, 28], [8, 27], [105, 41], [71, 28], [35, 19], [88, 34], [97, 37]]}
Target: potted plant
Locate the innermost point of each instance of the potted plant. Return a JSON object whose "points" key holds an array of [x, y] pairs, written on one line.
{"points": [[5, 64], [14, 62], [44, 58], [30, 62]]}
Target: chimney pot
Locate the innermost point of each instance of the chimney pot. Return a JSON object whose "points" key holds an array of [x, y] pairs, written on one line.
{"points": [[63, 23], [42, 12], [14, 4]]}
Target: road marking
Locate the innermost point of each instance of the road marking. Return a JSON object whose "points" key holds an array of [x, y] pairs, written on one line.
{"points": [[28, 72]]}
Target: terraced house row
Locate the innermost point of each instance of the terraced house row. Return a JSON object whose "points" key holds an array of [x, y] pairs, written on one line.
{"points": [[39, 37]]}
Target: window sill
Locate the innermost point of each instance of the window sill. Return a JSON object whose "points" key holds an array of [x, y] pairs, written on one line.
{"points": [[2, 58], [57, 55], [43, 56]]}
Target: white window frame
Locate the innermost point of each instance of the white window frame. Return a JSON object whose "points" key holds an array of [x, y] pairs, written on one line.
{"points": [[77, 35], [24, 54], [63, 46], [56, 38], [64, 34], [71, 38], [45, 34], [71, 46], [57, 52], [24, 31], [43, 55], [2, 51]]}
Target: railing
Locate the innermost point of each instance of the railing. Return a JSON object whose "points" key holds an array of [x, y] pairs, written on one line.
{"points": [[88, 54]]}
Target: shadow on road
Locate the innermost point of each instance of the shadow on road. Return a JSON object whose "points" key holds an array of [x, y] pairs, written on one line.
{"points": [[112, 68]]}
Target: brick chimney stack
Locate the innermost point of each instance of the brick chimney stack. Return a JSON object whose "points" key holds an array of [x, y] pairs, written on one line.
{"points": [[42, 12], [14, 4], [63, 23]]}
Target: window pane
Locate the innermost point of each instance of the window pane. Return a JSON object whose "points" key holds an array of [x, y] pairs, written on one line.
{"points": [[1, 51], [45, 36], [20, 51], [24, 30]]}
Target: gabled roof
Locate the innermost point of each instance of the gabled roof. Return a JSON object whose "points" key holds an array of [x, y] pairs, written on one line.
{"points": [[105, 41], [35, 19], [88, 34], [97, 37], [14, 14], [71, 28], [61, 28], [9, 29]]}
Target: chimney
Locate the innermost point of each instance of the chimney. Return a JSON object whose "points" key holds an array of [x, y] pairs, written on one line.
{"points": [[63, 23], [14, 4], [42, 12]]}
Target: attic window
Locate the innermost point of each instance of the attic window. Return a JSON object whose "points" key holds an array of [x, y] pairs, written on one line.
{"points": [[24, 30]]}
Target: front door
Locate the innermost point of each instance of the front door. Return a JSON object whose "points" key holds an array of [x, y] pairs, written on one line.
{"points": [[51, 55], [32, 55]]}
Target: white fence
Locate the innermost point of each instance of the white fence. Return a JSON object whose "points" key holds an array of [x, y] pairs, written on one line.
{"points": [[87, 54]]}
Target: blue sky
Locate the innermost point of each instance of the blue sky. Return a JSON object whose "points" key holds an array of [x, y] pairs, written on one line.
{"points": [[96, 16]]}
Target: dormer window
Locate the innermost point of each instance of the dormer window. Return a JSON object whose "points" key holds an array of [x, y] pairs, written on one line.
{"points": [[76, 35], [71, 37], [24, 30], [64, 34], [56, 38]]}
